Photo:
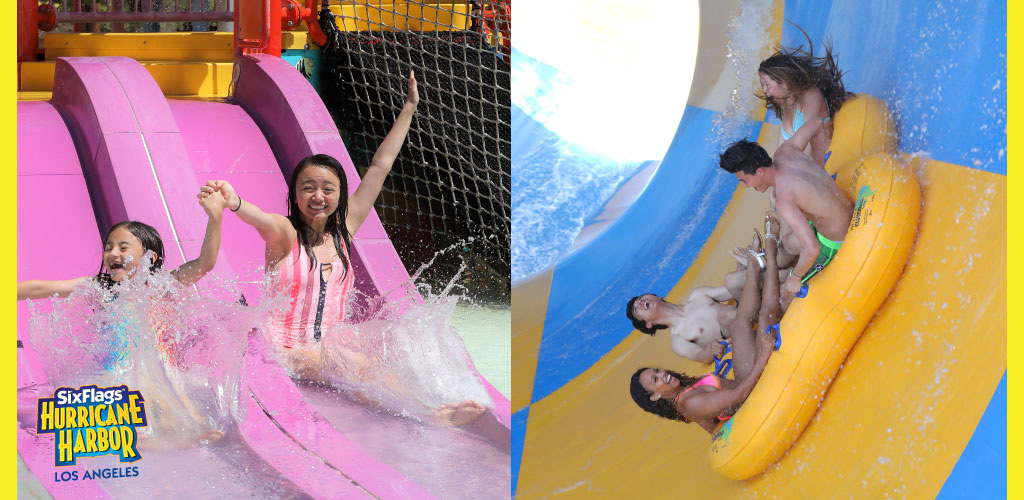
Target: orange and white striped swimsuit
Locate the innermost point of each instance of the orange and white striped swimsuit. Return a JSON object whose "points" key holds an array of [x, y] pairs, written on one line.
{"points": [[316, 305]]}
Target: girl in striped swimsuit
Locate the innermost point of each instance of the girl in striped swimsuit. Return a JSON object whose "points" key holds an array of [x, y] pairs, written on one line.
{"points": [[308, 259]]}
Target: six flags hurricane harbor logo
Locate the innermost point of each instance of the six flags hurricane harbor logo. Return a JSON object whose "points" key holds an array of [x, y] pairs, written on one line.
{"points": [[91, 421]]}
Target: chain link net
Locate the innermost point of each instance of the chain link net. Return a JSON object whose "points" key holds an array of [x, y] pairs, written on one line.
{"points": [[448, 197]]}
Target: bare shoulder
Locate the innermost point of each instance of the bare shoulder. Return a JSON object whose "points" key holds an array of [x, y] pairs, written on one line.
{"points": [[784, 153], [280, 219], [700, 295], [281, 246], [812, 98], [788, 158], [284, 226]]}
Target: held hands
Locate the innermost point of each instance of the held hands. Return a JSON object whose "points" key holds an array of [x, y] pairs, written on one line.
{"points": [[218, 189], [213, 202], [413, 95]]}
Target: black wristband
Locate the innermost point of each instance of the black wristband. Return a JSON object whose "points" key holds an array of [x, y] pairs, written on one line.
{"points": [[239, 204]]}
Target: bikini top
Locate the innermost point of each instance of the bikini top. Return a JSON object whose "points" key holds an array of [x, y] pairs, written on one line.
{"points": [[798, 121], [711, 380]]}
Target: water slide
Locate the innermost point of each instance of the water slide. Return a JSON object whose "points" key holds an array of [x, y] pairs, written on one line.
{"points": [[918, 408], [109, 146]]}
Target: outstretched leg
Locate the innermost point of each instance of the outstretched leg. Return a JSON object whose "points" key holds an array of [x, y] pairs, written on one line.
{"points": [[734, 282], [742, 328], [770, 311], [458, 414]]}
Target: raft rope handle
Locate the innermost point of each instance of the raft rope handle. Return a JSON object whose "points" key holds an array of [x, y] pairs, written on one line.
{"points": [[778, 335], [722, 367]]}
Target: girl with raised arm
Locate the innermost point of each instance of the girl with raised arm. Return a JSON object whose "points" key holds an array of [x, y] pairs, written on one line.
{"points": [[307, 254]]}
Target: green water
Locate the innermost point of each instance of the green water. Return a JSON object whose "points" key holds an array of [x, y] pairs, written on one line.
{"points": [[487, 332], [28, 485]]}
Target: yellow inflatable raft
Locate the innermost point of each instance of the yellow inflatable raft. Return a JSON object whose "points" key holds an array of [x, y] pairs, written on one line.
{"points": [[818, 331]]}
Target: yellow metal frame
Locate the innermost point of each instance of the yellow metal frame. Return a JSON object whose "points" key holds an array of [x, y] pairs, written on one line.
{"points": [[401, 16]]}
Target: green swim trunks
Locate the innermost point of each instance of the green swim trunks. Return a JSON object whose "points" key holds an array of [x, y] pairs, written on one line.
{"points": [[828, 250]]}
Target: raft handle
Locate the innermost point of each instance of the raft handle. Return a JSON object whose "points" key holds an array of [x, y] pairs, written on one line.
{"points": [[778, 333], [722, 367]]}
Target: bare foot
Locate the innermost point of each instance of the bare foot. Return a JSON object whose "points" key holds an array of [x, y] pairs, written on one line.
{"points": [[740, 254], [755, 253], [458, 414], [772, 229], [211, 435], [150, 443]]}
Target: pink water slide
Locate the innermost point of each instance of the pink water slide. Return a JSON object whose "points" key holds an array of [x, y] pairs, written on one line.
{"points": [[109, 147]]}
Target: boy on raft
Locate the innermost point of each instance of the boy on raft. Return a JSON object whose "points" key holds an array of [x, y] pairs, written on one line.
{"points": [[697, 326], [806, 198]]}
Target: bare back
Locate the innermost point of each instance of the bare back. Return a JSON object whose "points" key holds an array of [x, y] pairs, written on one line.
{"points": [[802, 184]]}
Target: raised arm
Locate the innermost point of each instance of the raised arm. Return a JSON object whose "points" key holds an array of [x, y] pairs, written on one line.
{"points": [[693, 351], [275, 229], [717, 294], [361, 201], [193, 270], [813, 101], [726, 401], [801, 138], [44, 289]]}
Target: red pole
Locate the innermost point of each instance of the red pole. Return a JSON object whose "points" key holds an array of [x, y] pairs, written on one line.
{"points": [[274, 42], [117, 6], [76, 6], [28, 30], [258, 27]]}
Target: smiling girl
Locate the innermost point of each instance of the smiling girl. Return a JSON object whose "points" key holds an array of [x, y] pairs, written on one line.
{"points": [[308, 262], [123, 249], [176, 422], [801, 88]]}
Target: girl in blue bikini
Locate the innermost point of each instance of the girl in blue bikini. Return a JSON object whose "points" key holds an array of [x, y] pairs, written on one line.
{"points": [[127, 247], [709, 399], [798, 88], [123, 249]]}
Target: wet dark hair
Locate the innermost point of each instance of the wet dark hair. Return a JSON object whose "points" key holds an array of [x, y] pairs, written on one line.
{"points": [[335, 226], [662, 407], [147, 235], [744, 155], [800, 70], [641, 325]]}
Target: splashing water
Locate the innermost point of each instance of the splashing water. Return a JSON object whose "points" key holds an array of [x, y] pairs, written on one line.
{"points": [[184, 351], [556, 187], [406, 357], [382, 380], [748, 34], [181, 350]]}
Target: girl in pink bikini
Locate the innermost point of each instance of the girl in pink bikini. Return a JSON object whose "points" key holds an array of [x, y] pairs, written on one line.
{"points": [[307, 255], [710, 399]]}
